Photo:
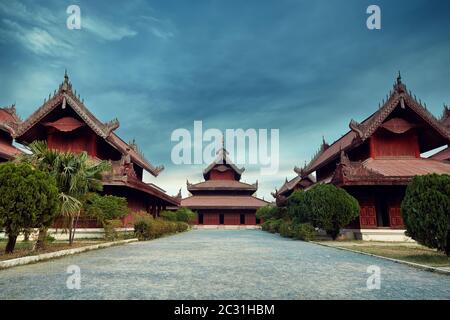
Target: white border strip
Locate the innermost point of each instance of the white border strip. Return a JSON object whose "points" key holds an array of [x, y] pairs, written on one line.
{"points": [[412, 264]]}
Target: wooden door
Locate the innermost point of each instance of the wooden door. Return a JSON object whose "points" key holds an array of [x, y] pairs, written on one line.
{"points": [[395, 218], [368, 217]]}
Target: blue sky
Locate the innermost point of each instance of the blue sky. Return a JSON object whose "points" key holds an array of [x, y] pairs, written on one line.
{"points": [[303, 67]]}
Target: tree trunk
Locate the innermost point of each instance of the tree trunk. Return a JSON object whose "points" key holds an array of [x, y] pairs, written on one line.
{"points": [[74, 228], [11, 244], [26, 235], [40, 243], [71, 230]]}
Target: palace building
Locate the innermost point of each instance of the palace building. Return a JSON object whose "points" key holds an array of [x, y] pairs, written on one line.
{"points": [[376, 160], [65, 123], [9, 122], [222, 199]]}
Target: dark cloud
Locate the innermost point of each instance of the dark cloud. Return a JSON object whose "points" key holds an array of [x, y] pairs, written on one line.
{"points": [[305, 67]]}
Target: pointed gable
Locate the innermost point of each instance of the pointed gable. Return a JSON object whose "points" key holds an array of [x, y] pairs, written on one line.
{"points": [[9, 120], [384, 117], [66, 98], [8, 125], [223, 165]]}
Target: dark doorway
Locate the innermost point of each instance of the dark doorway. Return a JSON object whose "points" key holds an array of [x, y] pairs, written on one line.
{"points": [[200, 218], [242, 219], [382, 209], [221, 218]]}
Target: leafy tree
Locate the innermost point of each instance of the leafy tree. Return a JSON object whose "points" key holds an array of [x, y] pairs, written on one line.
{"points": [[298, 206], [182, 215], [185, 215], [426, 211], [269, 212], [331, 208], [106, 207], [29, 198], [75, 173], [168, 215]]}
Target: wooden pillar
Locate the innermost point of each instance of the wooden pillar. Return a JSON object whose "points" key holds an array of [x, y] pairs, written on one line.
{"points": [[158, 211], [153, 209]]}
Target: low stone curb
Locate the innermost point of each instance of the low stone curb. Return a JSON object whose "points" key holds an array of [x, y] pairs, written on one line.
{"points": [[412, 264], [51, 255]]}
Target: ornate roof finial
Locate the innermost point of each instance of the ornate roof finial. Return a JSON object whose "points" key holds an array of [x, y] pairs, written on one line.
{"points": [[399, 78], [65, 86]]}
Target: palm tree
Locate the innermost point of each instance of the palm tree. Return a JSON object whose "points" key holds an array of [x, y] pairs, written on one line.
{"points": [[75, 173]]}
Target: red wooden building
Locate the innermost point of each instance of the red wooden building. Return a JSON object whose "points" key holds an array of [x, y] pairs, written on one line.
{"points": [[8, 124], [66, 124], [378, 157], [222, 199], [289, 186]]}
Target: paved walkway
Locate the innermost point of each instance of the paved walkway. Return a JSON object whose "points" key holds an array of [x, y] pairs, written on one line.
{"points": [[221, 264]]}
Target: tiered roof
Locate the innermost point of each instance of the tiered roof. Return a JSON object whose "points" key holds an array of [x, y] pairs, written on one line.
{"points": [[9, 122], [65, 96], [360, 132], [222, 193], [385, 171], [222, 185], [221, 163], [297, 182], [231, 202], [443, 155]]}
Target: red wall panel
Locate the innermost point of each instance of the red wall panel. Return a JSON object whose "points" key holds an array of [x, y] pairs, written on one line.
{"points": [[232, 219], [226, 175], [250, 219], [211, 218], [388, 144]]}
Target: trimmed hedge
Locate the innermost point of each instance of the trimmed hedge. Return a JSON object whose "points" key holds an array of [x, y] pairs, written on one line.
{"points": [[168, 215], [272, 225], [182, 214], [147, 228], [304, 231], [286, 229], [290, 229]]}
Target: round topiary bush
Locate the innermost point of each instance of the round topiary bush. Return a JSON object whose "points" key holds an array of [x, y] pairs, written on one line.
{"points": [[331, 208], [426, 211], [298, 206]]}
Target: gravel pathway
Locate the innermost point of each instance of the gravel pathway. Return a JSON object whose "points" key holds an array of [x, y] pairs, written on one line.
{"points": [[221, 264]]}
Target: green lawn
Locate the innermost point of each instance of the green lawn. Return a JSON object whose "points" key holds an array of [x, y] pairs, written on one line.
{"points": [[25, 248], [403, 251]]}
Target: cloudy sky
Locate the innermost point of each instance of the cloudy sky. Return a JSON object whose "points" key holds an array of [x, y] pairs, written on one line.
{"points": [[303, 67]]}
